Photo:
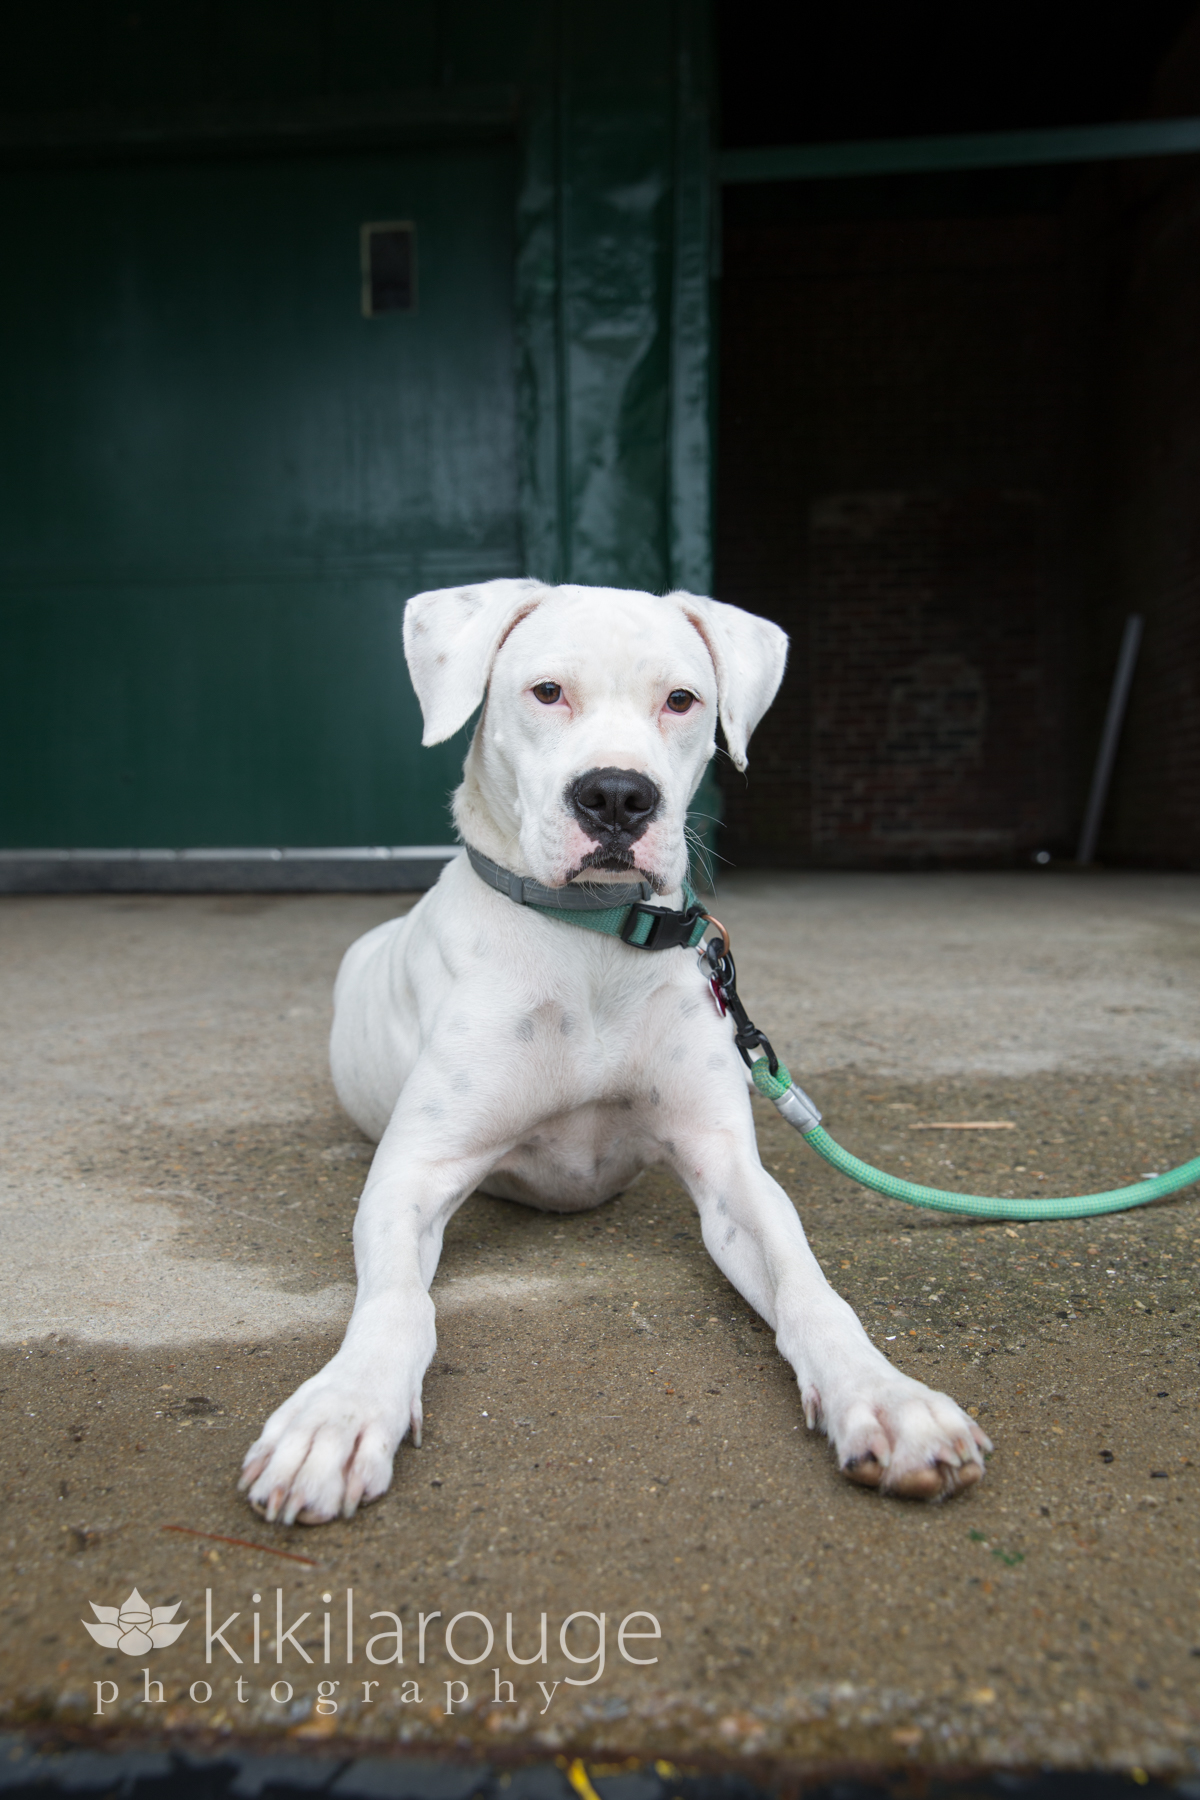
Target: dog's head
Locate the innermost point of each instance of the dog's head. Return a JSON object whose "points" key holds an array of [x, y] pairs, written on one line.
{"points": [[601, 714]]}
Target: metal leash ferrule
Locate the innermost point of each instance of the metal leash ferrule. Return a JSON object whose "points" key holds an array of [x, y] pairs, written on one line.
{"points": [[800, 1112]]}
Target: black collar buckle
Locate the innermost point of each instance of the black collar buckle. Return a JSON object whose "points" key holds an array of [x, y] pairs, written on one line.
{"points": [[662, 927]]}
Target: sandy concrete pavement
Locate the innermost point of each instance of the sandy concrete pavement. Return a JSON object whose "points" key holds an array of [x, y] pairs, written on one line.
{"points": [[177, 1192]]}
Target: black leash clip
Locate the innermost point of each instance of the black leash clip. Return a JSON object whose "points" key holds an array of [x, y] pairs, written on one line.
{"points": [[723, 978]]}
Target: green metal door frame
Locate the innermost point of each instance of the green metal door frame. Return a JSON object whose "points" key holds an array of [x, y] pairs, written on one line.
{"points": [[1127, 140]]}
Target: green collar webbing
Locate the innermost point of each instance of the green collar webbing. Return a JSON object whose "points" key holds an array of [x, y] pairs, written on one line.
{"points": [[620, 912]]}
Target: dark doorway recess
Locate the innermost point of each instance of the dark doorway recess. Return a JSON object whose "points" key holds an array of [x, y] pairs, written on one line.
{"points": [[809, 74], [960, 438]]}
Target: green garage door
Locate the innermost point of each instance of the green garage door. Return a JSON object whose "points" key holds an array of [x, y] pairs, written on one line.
{"points": [[220, 481]]}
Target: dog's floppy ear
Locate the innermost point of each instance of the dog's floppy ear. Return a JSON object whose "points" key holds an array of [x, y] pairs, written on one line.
{"points": [[451, 636], [748, 654]]}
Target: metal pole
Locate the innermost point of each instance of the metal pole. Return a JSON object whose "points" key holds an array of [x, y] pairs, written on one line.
{"points": [[1122, 681]]}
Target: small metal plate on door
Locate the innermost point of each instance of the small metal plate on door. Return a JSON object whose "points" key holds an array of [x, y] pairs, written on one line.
{"points": [[388, 250]]}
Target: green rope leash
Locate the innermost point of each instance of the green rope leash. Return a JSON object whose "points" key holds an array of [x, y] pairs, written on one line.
{"points": [[799, 1111], [627, 914]]}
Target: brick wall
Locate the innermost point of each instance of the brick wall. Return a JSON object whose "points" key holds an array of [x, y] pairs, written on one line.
{"points": [[892, 488], [930, 714]]}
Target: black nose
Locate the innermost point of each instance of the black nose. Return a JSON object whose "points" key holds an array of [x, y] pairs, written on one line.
{"points": [[608, 802]]}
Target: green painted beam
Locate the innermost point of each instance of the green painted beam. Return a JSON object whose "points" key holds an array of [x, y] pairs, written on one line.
{"points": [[978, 150]]}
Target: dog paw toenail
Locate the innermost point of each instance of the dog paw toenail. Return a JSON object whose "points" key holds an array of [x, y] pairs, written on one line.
{"points": [[866, 1470]]}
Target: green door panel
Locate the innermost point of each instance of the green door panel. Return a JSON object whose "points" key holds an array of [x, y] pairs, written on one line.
{"points": [[219, 483]]}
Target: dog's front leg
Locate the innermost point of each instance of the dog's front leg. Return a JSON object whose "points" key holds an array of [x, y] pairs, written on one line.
{"points": [[888, 1430], [331, 1445]]}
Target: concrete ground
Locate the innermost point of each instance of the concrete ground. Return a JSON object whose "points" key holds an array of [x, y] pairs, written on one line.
{"points": [[178, 1188]]}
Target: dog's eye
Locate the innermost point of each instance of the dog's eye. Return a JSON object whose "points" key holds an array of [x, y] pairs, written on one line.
{"points": [[547, 692], [680, 701]]}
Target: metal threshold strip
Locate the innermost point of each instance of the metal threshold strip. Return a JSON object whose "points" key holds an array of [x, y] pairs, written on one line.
{"points": [[402, 868], [975, 150]]}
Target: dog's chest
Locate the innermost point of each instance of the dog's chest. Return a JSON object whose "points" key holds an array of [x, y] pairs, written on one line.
{"points": [[575, 1159]]}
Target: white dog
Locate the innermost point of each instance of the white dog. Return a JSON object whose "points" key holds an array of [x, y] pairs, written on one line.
{"points": [[490, 1045]]}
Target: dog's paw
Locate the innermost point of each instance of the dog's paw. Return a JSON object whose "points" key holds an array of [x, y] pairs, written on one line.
{"points": [[324, 1453], [904, 1438]]}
